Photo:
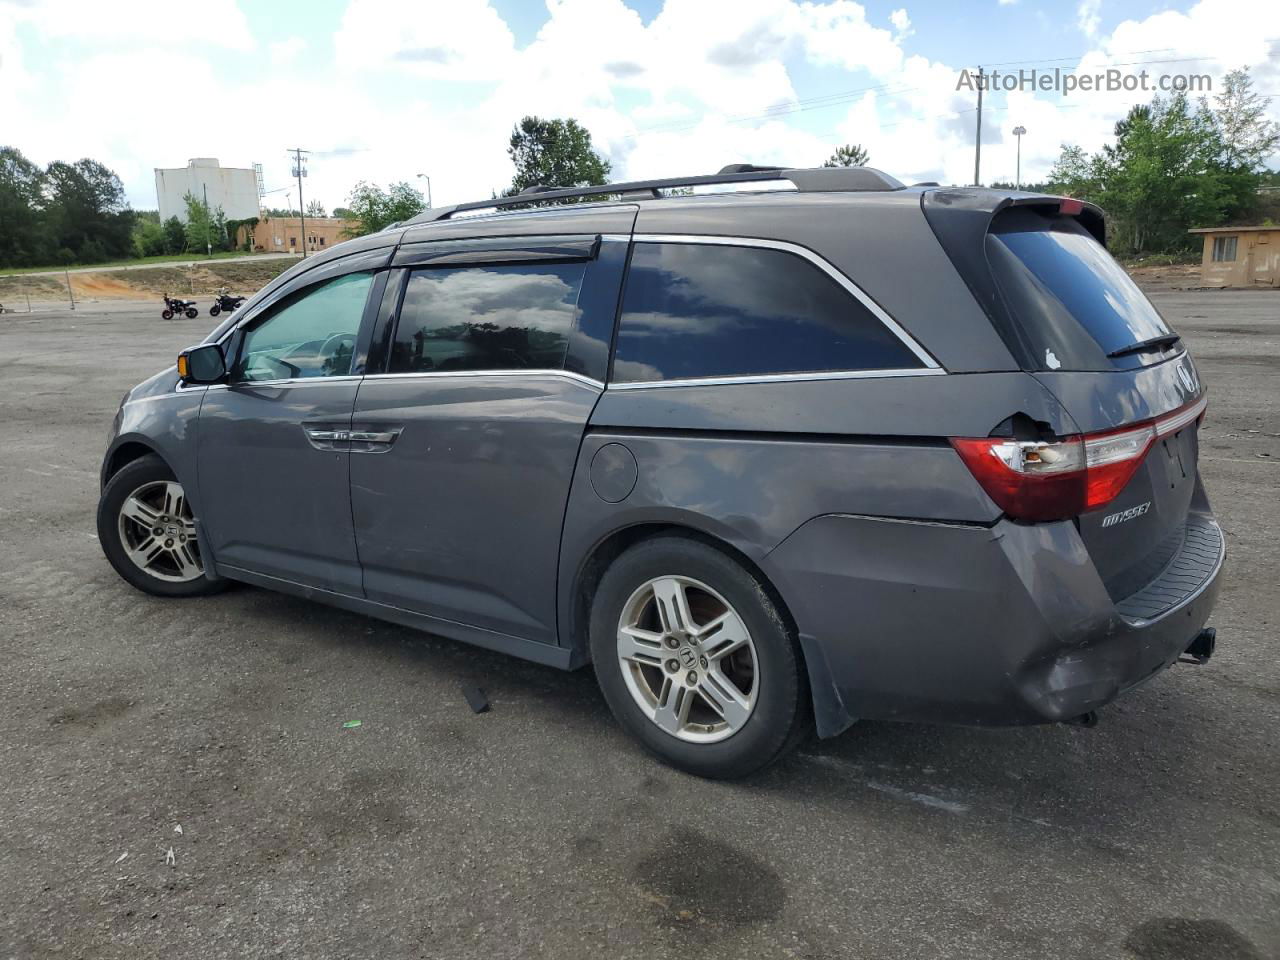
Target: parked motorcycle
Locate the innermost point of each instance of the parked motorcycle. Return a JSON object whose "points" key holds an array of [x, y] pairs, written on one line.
{"points": [[225, 301], [173, 307]]}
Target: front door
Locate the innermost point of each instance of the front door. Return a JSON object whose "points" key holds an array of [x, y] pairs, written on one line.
{"points": [[459, 494], [272, 446]]}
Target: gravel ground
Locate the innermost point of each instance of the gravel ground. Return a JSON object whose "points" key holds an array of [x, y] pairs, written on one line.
{"points": [[538, 828]]}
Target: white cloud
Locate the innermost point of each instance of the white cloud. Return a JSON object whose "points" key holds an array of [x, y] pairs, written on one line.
{"points": [[901, 24], [218, 23], [1088, 17], [704, 83], [286, 51]]}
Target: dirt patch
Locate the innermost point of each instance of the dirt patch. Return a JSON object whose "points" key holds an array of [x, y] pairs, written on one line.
{"points": [[242, 277], [1177, 276]]}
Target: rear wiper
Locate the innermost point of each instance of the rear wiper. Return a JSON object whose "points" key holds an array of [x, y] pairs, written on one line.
{"points": [[1164, 340]]}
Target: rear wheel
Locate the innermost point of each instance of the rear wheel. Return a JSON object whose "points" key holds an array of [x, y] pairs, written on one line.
{"points": [[167, 314], [192, 313], [695, 660], [148, 533]]}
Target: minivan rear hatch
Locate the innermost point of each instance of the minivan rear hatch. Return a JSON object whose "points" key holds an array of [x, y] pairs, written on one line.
{"points": [[1074, 320]]}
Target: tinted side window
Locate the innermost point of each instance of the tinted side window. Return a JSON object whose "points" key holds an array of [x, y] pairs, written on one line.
{"points": [[703, 310], [311, 336], [511, 317]]}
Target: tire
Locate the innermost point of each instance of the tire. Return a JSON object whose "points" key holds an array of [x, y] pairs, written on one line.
{"points": [[192, 313], [215, 310], [146, 488], [167, 314], [767, 711]]}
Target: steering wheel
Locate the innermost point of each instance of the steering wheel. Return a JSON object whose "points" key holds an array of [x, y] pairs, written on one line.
{"points": [[336, 340]]}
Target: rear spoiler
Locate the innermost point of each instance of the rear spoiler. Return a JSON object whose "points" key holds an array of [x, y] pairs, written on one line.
{"points": [[984, 204]]}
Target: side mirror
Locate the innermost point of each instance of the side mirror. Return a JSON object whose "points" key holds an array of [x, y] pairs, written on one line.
{"points": [[202, 364]]}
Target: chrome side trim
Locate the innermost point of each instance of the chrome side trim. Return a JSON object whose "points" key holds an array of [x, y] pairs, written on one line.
{"points": [[451, 374], [821, 263], [781, 378]]}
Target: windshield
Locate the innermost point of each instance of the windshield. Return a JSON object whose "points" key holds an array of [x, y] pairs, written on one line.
{"points": [[1073, 303]]}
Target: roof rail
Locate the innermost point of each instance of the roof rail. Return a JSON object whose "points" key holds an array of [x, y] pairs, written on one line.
{"points": [[806, 180]]}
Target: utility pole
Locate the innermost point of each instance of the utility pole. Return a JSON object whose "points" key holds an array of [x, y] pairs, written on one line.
{"points": [[1018, 131], [300, 171], [208, 244], [977, 134]]}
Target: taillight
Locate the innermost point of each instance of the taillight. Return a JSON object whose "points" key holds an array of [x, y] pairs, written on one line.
{"points": [[1037, 481]]}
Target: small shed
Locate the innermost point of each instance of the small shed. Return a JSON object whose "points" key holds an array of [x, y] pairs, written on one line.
{"points": [[1240, 256]]}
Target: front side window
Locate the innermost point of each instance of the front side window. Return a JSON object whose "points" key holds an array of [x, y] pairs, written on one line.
{"points": [[508, 317], [1224, 248], [708, 310], [311, 336]]}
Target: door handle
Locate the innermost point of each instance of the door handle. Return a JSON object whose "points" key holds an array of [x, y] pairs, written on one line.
{"points": [[373, 436], [326, 436], [329, 437]]}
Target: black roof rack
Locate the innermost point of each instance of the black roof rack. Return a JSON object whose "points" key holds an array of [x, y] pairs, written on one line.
{"points": [[806, 180]]}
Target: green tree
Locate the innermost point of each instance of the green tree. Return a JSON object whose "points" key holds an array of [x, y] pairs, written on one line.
{"points": [[370, 208], [206, 226], [1171, 167], [554, 153], [24, 241], [86, 211], [175, 236], [850, 155], [1241, 114], [316, 209], [149, 239]]}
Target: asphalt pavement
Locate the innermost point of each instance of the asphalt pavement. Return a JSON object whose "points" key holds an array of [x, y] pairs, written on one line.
{"points": [[179, 779]]}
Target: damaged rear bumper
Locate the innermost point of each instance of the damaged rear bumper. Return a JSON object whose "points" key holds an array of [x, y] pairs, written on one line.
{"points": [[1000, 625]]}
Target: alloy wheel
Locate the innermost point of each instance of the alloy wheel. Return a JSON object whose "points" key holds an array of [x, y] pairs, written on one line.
{"points": [[158, 532], [688, 659]]}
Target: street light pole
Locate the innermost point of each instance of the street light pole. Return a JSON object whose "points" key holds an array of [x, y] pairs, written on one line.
{"points": [[977, 133], [1018, 131], [423, 176]]}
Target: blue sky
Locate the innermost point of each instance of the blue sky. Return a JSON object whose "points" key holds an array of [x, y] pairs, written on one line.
{"points": [[384, 89]]}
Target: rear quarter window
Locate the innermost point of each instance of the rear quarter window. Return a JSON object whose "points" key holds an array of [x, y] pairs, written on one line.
{"points": [[695, 311], [1072, 303]]}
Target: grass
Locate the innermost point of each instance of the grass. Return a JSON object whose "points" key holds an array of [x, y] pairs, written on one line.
{"points": [[135, 262]]}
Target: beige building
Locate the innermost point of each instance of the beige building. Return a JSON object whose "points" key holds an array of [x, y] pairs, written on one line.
{"points": [[285, 234], [1240, 256]]}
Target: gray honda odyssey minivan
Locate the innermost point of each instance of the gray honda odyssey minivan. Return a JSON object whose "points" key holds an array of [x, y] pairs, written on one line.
{"points": [[768, 458]]}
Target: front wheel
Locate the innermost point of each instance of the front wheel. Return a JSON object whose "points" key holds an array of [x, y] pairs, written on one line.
{"points": [[148, 533], [696, 661], [192, 313], [167, 314], [215, 310]]}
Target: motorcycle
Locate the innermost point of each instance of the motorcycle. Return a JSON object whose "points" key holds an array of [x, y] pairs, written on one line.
{"points": [[225, 301], [173, 307]]}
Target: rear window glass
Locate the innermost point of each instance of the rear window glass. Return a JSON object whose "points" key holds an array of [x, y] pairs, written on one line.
{"points": [[1072, 302], [707, 310]]}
